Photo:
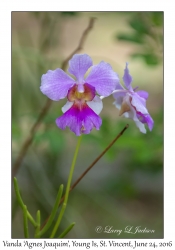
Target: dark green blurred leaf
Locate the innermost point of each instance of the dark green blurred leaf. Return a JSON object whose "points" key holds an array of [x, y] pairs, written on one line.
{"points": [[130, 38], [71, 14], [16, 132], [122, 187], [139, 26], [150, 59], [54, 137], [147, 31], [157, 18]]}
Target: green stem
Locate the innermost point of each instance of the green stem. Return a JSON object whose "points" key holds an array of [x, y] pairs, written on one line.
{"points": [[37, 230], [67, 189], [66, 231], [54, 210], [18, 196], [26, 232]]}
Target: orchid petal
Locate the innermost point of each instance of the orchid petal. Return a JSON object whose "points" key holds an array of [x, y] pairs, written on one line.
{"points": [[55, 84], [142, 94], [67, 106], [96, 105], [127, 78], [79, 120], [78, 66], [139, 103], [103, 78]]}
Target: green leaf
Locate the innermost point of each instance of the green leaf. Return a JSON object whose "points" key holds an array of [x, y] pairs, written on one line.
{"points": [[69, 14], [54, 211], [38, 221], [16, 132], [139, 26], [157, 18], [67, 230], [150, 59], [20, 201], [26, 232], [54, 137], [130, 38]]}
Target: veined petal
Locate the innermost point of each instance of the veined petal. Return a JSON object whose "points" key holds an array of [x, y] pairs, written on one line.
{"points": [[79, 119], [127, 78], [103, 78], [96, 105], [55, 84], [78, 66]]}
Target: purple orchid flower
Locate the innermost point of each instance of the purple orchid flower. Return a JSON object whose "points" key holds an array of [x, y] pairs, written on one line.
{"points": [[132, 104], [81, 112]]}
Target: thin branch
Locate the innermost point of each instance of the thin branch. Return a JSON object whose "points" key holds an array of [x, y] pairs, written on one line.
{"points": [[48, 103], [82, 41], [93, 163]]}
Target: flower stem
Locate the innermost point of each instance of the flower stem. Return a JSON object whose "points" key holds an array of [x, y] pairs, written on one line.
{"points": [[67, 189], [96, 160], [89, 168]]}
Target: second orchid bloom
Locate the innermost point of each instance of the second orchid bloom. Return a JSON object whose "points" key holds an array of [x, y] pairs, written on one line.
{"points": [[84, 95]]}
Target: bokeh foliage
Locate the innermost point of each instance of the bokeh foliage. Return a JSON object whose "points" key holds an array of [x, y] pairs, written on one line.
{"points": [[147, 33]]}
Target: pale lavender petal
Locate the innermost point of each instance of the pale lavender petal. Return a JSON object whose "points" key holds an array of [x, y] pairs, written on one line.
{"points": [[118, 102], [122, 98], [133, 115], [142, 94], [140, 126], [139, 103], [127, 78], [67, 106], [120, 93], [130, 114], [78, 66], [55, 84], [103, 78], [79, 120], [96, 105]]}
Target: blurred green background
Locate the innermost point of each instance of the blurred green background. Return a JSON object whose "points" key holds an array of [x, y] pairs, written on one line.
{"points": [[126, 186]]}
